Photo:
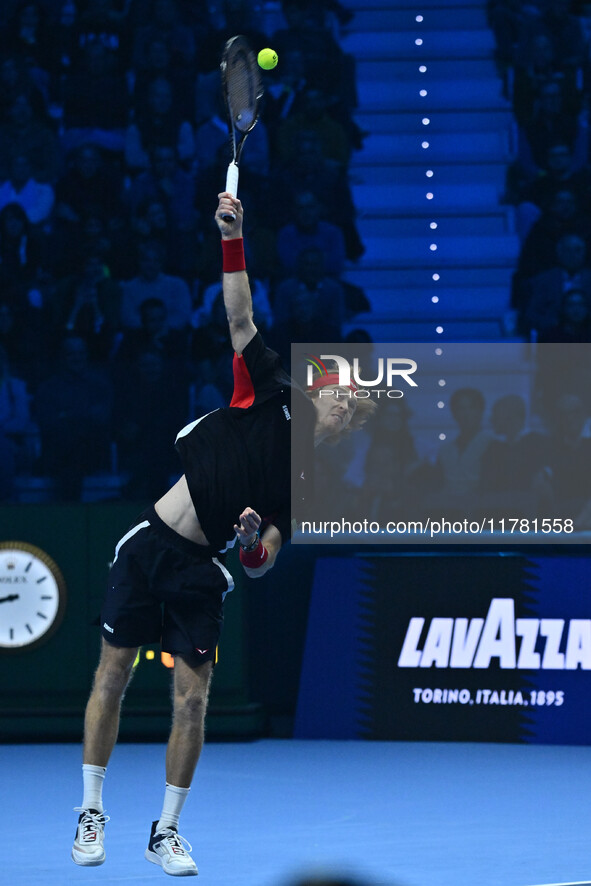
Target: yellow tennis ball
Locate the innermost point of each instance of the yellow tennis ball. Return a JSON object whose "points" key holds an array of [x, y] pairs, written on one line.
{"points": [[267, 59]]}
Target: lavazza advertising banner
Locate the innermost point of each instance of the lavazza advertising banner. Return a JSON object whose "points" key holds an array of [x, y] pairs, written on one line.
{"points": [[480, 647], [480, 454]]}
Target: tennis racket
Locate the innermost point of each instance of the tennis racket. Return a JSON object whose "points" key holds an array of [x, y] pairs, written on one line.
{"points": [[243, 91]]}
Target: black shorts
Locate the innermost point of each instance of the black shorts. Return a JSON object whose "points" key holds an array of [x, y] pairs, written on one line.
{"points": [[163, 588]]}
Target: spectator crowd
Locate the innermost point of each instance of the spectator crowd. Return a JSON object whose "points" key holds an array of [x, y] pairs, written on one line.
{"points": [[544, 55], [113, 148]]}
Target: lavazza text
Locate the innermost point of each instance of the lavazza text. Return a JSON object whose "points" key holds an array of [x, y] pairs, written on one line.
{"points": [[499, 639]]}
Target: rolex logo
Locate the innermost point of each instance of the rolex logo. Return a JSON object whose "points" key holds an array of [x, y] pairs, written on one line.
{"points": [[10, 564]]}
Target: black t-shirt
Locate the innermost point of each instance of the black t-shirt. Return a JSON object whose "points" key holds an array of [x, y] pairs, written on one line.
{"points": [[240, 456]]}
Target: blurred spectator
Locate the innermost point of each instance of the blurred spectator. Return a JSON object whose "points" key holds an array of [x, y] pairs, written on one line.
{"points": [[158, 121], [21, 187], [533, 72], [308, 306], [158, 62], [453, 483], [64, 39], [151, 282], [96, 101], [553, 121], [27, 133], [539, 299], [155, 334], [152, 222], [197, 15], [562, 366], [88, 184], [15, 80], [73, 408], [23, 336], [460, 459], [328, 68], [389, 462], [552, 125], [164, 23], [308, 230], [312, 116], [321, 10], [167, 182], [574, 320], [17, 429], [309, 170], [22, 250], [88, 305], [240, 17], [505, 18], [29, 36], [285, 87], [535, 197], [151, 406], [230, 17], [512, 460], [564, 215], [563, 486], [210, 360], [101, 23], [553, 19], [69, 244]]}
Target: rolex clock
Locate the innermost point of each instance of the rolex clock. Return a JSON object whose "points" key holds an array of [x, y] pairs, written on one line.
{"points": [[32, 596]]}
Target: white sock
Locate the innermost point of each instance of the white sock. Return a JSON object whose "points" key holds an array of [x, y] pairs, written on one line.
{"points": [[93, 778], [174, 800]]}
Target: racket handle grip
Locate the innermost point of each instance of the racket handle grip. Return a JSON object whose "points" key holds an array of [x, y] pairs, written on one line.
{"points": [[232, 179], [231, 186]]}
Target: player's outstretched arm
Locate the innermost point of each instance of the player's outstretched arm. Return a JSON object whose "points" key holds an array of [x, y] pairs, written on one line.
{"points": [[257, 554], [236, 288]]}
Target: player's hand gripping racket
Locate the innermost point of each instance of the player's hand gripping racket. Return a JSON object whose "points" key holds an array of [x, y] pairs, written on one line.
{"points": [[243, 90]]}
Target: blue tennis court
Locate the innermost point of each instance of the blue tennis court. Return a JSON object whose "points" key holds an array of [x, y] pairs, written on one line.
{"points": [[263, 813]]}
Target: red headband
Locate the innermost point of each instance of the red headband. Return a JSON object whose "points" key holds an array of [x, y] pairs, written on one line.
{"points": [[331, 379]]}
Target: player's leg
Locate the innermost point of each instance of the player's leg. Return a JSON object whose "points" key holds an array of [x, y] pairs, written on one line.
{"points": [[192, 620], [190, 694], [130, 616], [101, 726], [101, 720]]}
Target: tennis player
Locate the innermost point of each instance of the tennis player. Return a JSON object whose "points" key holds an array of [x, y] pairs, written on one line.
{"points": [[167, 582]]}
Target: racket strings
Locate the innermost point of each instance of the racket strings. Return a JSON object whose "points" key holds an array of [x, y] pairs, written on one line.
{"points": [[242, 90]]}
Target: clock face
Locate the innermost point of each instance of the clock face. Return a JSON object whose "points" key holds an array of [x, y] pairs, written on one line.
{"points": [[32, 596]]}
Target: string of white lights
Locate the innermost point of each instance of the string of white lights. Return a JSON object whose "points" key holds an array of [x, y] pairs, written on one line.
{"points": [[433, 225]]}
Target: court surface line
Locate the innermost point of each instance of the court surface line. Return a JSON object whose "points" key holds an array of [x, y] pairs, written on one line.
{"points": [[570, 883]]}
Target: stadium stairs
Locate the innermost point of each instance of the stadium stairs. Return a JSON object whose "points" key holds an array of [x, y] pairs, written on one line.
{"points": [[469, 137]]}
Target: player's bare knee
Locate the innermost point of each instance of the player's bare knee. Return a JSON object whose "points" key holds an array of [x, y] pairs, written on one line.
{"points": [[190, 706], [114, 671]]}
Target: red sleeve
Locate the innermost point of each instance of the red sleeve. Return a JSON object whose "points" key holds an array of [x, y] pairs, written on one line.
{"points": [[243, 395], [258, 374]]}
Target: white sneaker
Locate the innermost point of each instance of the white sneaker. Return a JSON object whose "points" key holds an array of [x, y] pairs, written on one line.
{"points": [[167, 848], [88, 848]]}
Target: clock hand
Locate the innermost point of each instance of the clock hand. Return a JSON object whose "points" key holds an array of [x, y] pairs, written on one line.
{"points": [[10, 598]]}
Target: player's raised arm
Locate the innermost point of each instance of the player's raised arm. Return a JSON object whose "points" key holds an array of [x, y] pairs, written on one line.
{"points": [[236, 288]]}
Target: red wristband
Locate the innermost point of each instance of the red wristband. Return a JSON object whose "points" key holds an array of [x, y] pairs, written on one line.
{"points": [[254, 559], [233, 255]]}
